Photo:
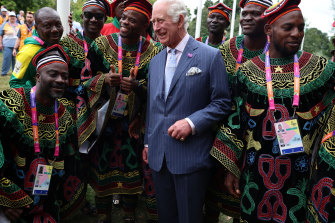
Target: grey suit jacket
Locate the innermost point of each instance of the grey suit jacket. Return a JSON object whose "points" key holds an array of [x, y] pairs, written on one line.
{"points": [[202, 97]]}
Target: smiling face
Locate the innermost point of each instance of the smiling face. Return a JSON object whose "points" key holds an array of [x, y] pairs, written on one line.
{"points": [[286, 34], [217, 23], [132, 24], [93, 20], [52, 81], [251, 20], [169, 33], [49, 26]]}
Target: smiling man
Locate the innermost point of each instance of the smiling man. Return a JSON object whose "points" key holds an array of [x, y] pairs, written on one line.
{"points": [[267, 168], [39, 112], [48, 31], [217, 22], [125, 56]]}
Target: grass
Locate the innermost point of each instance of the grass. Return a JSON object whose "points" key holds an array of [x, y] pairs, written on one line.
{"points": [[116, 211]]}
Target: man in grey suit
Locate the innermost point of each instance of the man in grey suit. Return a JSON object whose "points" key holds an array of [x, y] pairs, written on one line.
{"points": [[188, 94]]}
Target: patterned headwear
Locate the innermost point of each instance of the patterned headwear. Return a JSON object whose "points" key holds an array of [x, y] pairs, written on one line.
{"points": [[282, 8], [222, 9], [142, 6], [101, 4], [52, 54], [263, 3]]}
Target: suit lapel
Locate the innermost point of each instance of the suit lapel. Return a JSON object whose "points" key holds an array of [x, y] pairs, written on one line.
{"points": [[183, 63]]}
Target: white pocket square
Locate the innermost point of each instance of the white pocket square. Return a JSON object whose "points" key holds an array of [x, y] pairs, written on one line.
{"points": [[192, 71]]}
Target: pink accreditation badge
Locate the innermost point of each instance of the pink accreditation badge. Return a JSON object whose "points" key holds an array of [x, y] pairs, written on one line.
{"points": [[289, 137], [42, 179]]}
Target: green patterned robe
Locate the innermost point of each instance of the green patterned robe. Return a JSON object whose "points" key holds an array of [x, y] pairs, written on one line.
{"points": [[16, 137], [274, 186]]}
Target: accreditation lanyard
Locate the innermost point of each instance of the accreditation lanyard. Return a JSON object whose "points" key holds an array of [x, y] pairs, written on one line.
{"points": [[222, 42], [14, 27], [35, 123], [240, 53], [29, 29], [38, 40], [85, 44], [138, 56], [269, 82]]}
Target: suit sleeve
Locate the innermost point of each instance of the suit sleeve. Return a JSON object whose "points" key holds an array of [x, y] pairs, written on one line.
{"points": [[147, 119], [220, 103]]}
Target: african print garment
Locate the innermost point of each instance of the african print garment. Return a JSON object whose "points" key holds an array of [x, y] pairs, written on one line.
{"points": [[24, 73], [73, 45], [217, 198], [16, 136], [273, 186], [115, 160], [321, 202]]}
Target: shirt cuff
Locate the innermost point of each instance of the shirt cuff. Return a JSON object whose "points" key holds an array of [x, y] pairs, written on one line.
{"points": [[192, 125], [146, 145]]}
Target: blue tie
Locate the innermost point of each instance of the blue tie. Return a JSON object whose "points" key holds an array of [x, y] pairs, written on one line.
{"points": [[169, 71]]}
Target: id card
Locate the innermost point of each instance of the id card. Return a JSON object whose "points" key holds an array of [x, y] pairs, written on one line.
{"points": [[42, 179], [120, 104], [289, 138]]}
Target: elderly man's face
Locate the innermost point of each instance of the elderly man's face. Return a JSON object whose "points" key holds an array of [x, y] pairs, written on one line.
{"points": [[49, 27], [165, 29]]}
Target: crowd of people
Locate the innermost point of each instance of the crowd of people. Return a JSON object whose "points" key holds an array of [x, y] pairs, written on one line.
{"points": [[242, 126]]}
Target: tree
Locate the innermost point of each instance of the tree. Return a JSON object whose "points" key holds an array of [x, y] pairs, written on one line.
{"points": [[317, 42], [27, 5]]}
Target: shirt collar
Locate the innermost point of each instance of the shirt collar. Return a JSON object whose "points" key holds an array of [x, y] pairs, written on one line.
{"points": [[181, 45]]}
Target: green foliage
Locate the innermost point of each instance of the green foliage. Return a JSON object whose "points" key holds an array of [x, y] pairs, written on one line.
{"points": [[27, 5], [317, 42], [203, 29]]}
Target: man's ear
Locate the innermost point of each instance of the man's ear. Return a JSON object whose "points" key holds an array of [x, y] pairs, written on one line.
{"points": [[38, 76], [181, 21], [268, 29]]}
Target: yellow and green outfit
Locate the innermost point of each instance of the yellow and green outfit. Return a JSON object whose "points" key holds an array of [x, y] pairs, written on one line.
{"points": [[24, 71]]}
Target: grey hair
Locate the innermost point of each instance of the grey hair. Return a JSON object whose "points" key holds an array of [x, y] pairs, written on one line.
{"points": [[175, 9]]}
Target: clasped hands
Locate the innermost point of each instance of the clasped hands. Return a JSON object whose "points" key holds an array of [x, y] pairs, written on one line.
{"points": [[127, 84]]}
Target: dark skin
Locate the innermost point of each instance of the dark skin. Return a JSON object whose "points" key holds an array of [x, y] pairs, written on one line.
{"points": [[51, 83], [216, 25], [253, 27], [286, 34], [48, 25], [119, 9], [92, 27], [13, 214], [131, 26]]}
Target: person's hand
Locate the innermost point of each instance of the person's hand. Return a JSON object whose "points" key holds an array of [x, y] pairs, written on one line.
{"points": [[1, 46], [13, 214], [130, 83], [145, 155], [134, 128], [113, 78], [232, 184], [14, 52], [180, 130]]}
